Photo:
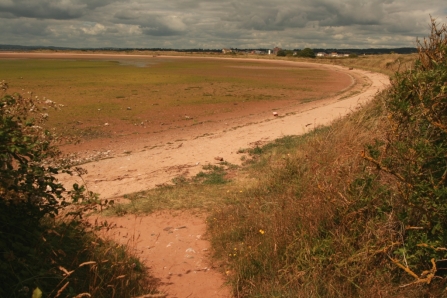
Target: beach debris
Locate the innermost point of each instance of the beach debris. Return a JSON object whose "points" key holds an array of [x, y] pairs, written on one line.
{"points": [[275, 114], [106, 124], [129, 108]]}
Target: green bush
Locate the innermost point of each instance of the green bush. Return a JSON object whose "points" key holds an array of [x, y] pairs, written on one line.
{"points": [[413, 157], [28, 188], [306, 53], [42, 249]]}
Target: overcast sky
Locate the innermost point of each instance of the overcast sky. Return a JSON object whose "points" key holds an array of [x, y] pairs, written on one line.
{"points": [[214, 24]]}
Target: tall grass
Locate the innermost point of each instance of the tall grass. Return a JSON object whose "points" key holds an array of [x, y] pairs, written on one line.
{"points": [[311, 227]]}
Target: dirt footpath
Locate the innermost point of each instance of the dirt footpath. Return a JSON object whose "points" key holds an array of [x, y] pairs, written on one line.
{"points": [[173, 245]]}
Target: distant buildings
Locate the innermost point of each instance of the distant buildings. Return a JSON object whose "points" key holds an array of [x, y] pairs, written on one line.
{"points": [[227, 51], [276, 50], [332, 55]]}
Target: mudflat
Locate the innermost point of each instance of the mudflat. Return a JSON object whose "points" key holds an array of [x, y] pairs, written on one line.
{"points": [[110, 97]]}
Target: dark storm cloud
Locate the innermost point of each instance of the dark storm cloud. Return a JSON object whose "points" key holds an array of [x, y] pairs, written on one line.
{"points": [[153, 24], [50, 9], [346, 13], [26, 28], [221, 23]]}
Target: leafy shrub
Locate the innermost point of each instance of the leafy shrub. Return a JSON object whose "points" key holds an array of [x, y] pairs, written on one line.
{"points": [[42, 251], [28, 189], [413, 157]]}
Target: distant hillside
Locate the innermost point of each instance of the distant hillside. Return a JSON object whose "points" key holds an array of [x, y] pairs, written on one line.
{"points": [[7, 47]]}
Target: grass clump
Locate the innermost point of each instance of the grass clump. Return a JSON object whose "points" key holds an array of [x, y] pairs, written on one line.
{"points": [[213, 175], [204, 191]]}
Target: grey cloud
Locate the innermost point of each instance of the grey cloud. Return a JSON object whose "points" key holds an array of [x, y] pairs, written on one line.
{"points": [[160, 31], [48, 9], [6, 15], [220, 23], [51, 9], [92, 4], [352, 12], [153, 24], [126, 15], [275, 20], [163, 26], [25, 29]]}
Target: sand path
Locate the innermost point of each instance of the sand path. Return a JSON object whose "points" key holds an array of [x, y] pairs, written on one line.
{"points": [[172, 245]]}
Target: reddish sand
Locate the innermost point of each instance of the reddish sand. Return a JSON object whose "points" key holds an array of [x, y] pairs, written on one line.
{"points": [[174, 246]]}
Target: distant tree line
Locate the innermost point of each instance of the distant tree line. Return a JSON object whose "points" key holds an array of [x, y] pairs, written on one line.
{"points": [[306, 52]]}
